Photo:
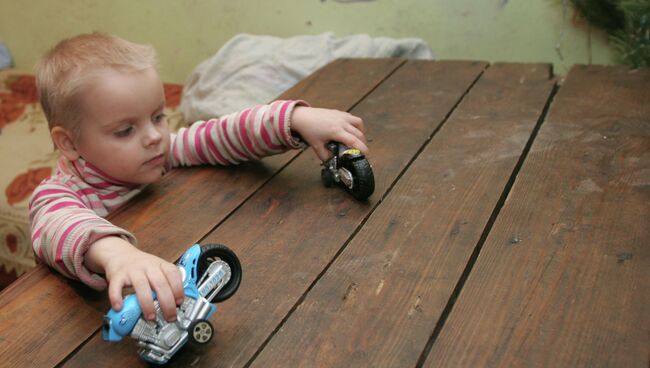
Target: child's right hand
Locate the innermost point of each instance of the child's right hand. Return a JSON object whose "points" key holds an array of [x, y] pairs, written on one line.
{"points": [[319, 126], [125, 265]]}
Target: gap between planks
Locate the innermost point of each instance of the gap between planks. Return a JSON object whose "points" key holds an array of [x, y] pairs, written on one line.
{"points": [[488, 227]]}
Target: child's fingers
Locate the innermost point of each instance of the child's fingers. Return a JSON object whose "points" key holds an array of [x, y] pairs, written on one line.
{"points": [[175, 281], [115, 293], [166, 299], [322, 152], [352, 141], [357, 133], [142, 290], [357, 122]]}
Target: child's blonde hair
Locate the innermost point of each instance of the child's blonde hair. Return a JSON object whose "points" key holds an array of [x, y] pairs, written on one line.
{"points": [[63, 71]]}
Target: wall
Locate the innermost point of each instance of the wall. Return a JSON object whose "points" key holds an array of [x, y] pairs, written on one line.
{"points": [[186, 32]]}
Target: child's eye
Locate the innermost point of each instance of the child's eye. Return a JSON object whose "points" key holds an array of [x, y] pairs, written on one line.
{"points": [[124, 132], [159, 117]]}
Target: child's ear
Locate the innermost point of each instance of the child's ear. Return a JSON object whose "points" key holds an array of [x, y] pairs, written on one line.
{"points": [[64, 141]]}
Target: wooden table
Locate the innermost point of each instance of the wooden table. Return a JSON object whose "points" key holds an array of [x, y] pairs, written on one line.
{"points": [[509, 227]]}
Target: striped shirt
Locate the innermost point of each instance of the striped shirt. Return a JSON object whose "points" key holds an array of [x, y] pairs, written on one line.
{"points": [[67, 210]]}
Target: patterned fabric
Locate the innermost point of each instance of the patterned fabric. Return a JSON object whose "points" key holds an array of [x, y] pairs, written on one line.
{"points": [[26, 158], [67, 210]]}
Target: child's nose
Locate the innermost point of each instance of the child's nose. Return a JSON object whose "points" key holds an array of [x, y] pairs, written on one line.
{"points": [[153, 136]]}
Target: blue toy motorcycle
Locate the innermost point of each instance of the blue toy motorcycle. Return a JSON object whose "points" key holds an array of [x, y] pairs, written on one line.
{"points": [[211, 273]]}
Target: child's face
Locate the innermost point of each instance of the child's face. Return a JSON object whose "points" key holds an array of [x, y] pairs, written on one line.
{"points": [[123, 131]]}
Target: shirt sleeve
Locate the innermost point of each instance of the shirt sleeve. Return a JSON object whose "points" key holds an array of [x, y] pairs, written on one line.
{"points": [[63, 228], [246, 135]]}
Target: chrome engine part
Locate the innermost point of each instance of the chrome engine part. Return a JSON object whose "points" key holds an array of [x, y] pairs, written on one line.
{"points": [[159, 340]]}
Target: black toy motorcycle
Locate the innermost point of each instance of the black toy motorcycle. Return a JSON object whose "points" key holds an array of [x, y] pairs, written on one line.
{"points": [[350, 169]]}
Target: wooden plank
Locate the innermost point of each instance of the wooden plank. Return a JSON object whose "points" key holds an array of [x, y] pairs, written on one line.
{"points": [[288, 232], [26, 340], [165, 220], [563, 277], [379, 302]]}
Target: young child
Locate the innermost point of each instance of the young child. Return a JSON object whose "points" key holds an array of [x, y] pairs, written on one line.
{"points": [[104, 101]]}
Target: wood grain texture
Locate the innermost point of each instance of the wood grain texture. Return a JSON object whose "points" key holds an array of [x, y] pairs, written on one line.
{"points": [[288, 232], [379, 302], [44, 317], [26, 340], [563, 278]]}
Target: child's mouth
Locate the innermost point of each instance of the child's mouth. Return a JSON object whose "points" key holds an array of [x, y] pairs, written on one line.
{"points": [[156, 161]]}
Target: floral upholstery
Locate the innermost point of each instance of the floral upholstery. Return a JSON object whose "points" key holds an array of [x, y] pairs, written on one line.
{"points": [[27, 157]]}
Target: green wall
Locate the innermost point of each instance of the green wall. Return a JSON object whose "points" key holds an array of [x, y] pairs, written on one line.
{"points": [[185, 32]]}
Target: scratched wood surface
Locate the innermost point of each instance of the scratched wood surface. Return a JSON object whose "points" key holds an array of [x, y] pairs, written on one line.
{"points": [[44, 318], [563, 278], [488, 242], [290, 230], [380, 301]]}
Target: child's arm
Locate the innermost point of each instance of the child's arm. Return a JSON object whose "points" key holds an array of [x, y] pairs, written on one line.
{"points": [[64, 230], [265, 130], [63, 227], [246, 135]]}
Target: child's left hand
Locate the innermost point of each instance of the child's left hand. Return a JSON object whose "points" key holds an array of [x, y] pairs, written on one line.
{"points": [[319, 126]]}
